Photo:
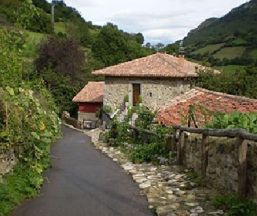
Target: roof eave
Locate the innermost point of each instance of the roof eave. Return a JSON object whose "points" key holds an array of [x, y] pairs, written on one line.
{"points": [[145, 76]]}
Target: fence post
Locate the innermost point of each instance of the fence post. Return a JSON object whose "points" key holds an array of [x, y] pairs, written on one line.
{"points": [[180, 147], [205, 153], [169, 142], [242, 168], [174, 140]]}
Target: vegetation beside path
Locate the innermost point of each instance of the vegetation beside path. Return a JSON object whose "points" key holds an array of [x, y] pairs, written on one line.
{"points": [[29, 123]]}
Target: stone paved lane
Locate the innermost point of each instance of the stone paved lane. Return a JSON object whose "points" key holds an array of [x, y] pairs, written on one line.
{"points": [[168, 189], [84, 182]]}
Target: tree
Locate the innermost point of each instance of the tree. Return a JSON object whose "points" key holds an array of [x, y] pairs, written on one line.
{"points": [[172, 48], [79, 30], [113, 46], [60, 64], [32, 18], [43, 4], [159, 46], [63, 55], [241, 83], [139, 38]]}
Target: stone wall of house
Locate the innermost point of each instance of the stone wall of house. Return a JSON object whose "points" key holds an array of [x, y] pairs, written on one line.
{"points": [[86, 116], [114, 92], [155, 92], [222, 163], [7, 163]]}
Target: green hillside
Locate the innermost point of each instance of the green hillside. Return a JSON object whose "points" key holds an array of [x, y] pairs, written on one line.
{"points": [[229, 40], [71, 48], [240, 22], [228, 44]]}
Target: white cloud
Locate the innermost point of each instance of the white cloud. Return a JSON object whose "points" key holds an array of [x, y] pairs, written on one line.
{"points": [[159, 21]]}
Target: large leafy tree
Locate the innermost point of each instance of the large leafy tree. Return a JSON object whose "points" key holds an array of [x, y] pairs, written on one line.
{"points": [[61, 65], [63, 55], [43, 4], [237, 83], [113, 46], [32, 18]]}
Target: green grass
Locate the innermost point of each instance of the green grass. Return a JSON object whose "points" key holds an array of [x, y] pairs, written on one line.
{"points": [[231, 68], [60, 27], [230, 52], [234, 206], [209, 49], [253, 54], [239, 41], [32, 43], [22, 184]]}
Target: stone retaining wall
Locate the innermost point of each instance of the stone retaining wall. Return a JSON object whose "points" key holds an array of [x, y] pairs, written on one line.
{"points": [[7, 163], [222, 169]]}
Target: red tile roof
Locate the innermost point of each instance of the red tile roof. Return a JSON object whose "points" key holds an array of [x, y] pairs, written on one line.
{"points": [[92, 92], [204, 103], [156, 65]]}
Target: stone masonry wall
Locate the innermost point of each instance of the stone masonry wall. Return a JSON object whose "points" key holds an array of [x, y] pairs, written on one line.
{"points": [[86, 116], [222, 163], [155, 92], [7, 163]]}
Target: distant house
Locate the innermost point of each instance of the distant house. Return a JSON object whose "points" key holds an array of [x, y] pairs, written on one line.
{"points": [[90, 100], [202, 103], [154, 80]]}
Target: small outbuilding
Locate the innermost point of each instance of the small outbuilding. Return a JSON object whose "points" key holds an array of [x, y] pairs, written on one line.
{"points": [[90, 101], [197, 107]]}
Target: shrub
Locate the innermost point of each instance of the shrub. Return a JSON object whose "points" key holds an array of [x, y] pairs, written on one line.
{"points": [[119, 133], [233, 206], [107, 109], [28, 125], [145, 117], [135, 145], [126, 99], [246, 121], [11, 42], [148, 153]]}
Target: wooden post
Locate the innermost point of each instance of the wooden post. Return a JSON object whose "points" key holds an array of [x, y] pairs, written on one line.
{"points": [[169, 142], [180, 147], [205, 153], [174, 141], [242, 168], [7, 117]]}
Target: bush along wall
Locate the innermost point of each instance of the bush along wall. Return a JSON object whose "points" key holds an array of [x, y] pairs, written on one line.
{"points": [[28, 125], [139, 145]]}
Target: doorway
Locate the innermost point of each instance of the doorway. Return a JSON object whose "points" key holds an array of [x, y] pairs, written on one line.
{"points": [[136, 93]]}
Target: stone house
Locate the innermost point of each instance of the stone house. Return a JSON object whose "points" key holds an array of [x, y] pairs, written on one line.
{"points": [[90, 101], [154, 80], [203, 104]]}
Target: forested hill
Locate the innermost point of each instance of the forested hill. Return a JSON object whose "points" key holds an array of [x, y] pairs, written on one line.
{"points": [[229, 40], [229, 44], [70, 49], [241, 23], [69, 23]]}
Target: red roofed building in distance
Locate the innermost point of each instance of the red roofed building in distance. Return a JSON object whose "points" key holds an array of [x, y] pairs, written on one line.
{"points": [[90, 100], [154, 80], [204, 104]]}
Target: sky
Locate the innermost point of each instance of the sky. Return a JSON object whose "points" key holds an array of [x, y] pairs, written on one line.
{"points": [[160, 21]]}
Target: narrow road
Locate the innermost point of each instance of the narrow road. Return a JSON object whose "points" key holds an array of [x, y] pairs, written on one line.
{"points": [[84, 182]]}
